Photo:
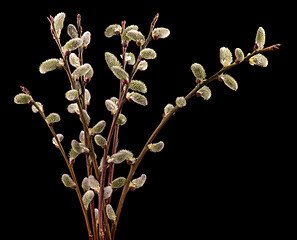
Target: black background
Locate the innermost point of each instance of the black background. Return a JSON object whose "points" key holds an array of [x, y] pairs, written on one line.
{"points": [[225, 170]]}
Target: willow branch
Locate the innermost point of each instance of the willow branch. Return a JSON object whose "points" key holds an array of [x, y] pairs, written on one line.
{"points": [[167, 118], [70, 168]]}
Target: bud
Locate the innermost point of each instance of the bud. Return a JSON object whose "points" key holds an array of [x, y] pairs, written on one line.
{"points": [[53, 118], [156, 147], [137, 98], [204, 92], [112, 30], [118, 182], [72, 44], [181, 102], [86, 38], [59, 23], [148, 53], [129, 58], [138, 86], [93, 183], [260, 38], [198, 71], [78, 147], [67, 181], [73, 108], [85, 184], [35, 109], [138, 182], [99, 127], [121, 156], [258, 60], [167, 109], [121, 119], [110, 213], [100, 140], [111, 106], [107, 192], [74, 60], [225, 56], [87, 198], [229, 81], [120, 73], [239, 55], [81, 71], [60, 138], [50, 65], [136, 36], [89, 74], [142, 66], [72, 31], [72, 155], [22, 98], [160, 33], [125, 38], [111, 60], [86, 117], [82, 136], [87, 96], [71, 95]]}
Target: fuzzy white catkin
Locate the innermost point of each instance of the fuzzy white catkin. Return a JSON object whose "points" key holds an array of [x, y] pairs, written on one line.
{"points": [[138, 182], [239, 55], [86, 38], [35, 109], [181, 102], [67, 181], [138, 86], [22, 98], [72, 44], [71, 95], [50, 65], [225, 56], [198, 71], [148, 53], [229, 81], [121, 156], [87, 198], [60, 138], [136, 36], [110, 213], [167, 109], [53, 118], [81, 70], [258, 60], [260, 38], [120, 73], [112, 30], [99, 127], [204, 92], [72, 31], [156, 147], [74, 60], [93, 183], [100, 140], [160, 33], [137, 98], [59, 23], [118, 182]]}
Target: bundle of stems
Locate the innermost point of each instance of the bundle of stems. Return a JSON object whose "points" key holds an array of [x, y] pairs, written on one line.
{"points": [[103, 220]]}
